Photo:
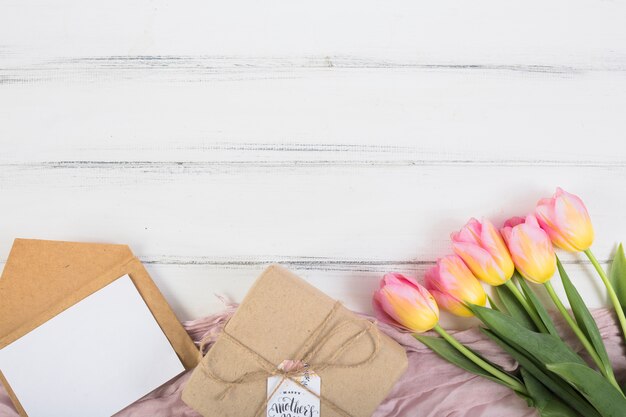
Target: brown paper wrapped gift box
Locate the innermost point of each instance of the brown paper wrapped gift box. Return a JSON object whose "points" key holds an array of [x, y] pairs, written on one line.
{"points": [[281, 313]]}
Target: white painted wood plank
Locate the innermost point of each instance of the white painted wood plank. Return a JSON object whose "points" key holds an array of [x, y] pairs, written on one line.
{"points": [[392, 213], [380, 116], [197, 290], [580, 32]]}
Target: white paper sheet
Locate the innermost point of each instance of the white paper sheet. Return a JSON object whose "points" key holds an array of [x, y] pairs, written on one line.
{"points": [[93, 359]]}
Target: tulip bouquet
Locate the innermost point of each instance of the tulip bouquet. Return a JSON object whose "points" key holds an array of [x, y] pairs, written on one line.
{"points": [[551, 376]]}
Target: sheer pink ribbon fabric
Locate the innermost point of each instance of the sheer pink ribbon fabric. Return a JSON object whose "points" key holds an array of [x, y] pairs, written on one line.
{"points": [[430, 388]]}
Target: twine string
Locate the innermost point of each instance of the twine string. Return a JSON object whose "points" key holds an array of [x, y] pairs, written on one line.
{"points": [[306, 354]]}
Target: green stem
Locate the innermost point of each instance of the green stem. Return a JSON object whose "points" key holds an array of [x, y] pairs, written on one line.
{"points": [[503, 376], [530, 310], [606, 370], [609, 288]]}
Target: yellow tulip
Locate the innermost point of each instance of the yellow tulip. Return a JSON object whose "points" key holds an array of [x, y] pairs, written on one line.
{"points": [[453, 285], [402, 302], [484, 252], [566, 220], [530, 248]]}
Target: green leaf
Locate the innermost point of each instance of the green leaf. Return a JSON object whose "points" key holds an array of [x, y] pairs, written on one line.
{"points": [[600, 393], [555, 384], [538, 306], [492, 304], [546, 403], [514, 307], [584, 318], [545, 347], [449, 353], [617, 275]]}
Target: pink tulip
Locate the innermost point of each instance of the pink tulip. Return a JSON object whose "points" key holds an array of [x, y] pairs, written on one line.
{"points": [[530, 248], [402, 302], [483, 250], [453, 285], [566, 220]]}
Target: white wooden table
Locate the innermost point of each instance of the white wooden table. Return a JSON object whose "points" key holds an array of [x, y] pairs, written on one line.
{"points": [[341, 139]]}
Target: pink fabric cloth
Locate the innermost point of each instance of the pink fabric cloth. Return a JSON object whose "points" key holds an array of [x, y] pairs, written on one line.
{"points": [[431, 387]]}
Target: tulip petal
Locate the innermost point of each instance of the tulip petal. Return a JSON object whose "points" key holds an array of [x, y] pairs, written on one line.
{"points": [[452, 285], [470, 233], [545, 214], [381, 314], [532, 253], [513, 221], [480, 262], [494, 243], [506, 235], [451, 304]]}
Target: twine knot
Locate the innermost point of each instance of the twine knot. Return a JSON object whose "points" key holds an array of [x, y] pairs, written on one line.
{"points": [[306, 354]]}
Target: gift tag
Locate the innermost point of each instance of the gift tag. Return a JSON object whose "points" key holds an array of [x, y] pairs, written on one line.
{"points": [[290, 399]]}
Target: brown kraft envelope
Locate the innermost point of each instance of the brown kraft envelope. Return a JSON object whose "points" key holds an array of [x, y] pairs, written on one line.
{"points": [[42, 278], [278, 316]]}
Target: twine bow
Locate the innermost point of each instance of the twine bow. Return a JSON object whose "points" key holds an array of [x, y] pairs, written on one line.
{"points": [[307, 354]]}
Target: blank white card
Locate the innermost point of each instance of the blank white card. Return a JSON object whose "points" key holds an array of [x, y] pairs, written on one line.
{"points": [[93, 359]]}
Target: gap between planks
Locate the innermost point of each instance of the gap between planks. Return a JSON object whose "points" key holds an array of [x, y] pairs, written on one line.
{"points": [[208, 166], [303, 263], [198, 68]]}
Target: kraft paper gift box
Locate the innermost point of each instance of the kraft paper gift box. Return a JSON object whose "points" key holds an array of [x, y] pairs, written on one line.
{"points": [[42, 279], [281, 317]]}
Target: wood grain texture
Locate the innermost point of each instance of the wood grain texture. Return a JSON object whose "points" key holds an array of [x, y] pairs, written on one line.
{"points": [[341, 140], [356, 115], [197, 69]]}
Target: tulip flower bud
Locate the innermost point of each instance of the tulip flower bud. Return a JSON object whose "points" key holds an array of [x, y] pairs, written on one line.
{"points": [[530, 248], [484, 252], [566, 220], [402, 302], [453, 285]]}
